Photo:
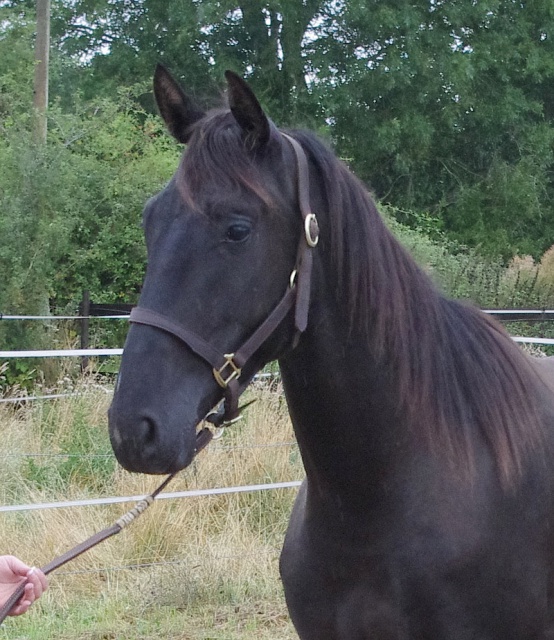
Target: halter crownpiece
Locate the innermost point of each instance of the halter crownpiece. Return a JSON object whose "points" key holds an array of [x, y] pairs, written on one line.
{"points": [[227, 368]]}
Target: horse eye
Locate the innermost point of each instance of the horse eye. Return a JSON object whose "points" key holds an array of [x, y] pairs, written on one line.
{"points": [[238, 232]]}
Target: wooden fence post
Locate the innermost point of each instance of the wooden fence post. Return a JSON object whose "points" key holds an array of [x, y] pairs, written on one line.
{"points": [[84, 311]]}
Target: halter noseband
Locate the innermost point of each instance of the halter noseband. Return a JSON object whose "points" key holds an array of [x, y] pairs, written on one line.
{"points": [[227, 368]]}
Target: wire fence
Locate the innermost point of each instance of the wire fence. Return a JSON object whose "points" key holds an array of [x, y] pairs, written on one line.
{"points": [[194, 493], [198, 493], [168, 495], [4, 316], [504, 314], [274, 551], [214, 448], [71, 353], [218, 558]]}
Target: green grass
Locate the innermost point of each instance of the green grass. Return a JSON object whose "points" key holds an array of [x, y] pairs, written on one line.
{"points": [[212, 561], [153, 604]]}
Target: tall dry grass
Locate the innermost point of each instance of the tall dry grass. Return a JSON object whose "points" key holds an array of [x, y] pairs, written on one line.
{"points": [[183, 558], [536, 279]]}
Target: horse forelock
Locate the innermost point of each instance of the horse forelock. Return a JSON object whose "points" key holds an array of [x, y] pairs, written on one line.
{"points": [[218, 158], [458, 374]]}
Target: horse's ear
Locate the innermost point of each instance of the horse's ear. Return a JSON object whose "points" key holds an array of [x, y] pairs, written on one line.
{"points": [[247, 111], [176, 108]]}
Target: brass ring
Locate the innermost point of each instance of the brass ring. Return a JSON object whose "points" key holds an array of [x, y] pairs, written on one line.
{"points": [[217, 433], [292, 280], [312, 241]]}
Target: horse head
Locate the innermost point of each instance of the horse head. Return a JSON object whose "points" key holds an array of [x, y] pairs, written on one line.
{"points": [[222, 242]]}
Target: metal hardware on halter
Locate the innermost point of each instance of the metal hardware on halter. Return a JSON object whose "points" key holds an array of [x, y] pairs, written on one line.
{"points": [[218, 426], [218, 429], [216, 417], [293, 276], [218, 373], [311, 229], [297, 297]]}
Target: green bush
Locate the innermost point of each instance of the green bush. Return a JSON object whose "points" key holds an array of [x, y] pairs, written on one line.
{"points": [[70, 211], [464, 273]]}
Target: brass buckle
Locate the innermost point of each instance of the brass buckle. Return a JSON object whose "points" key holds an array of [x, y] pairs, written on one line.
{"points": [[308, 221], [219, 374]]}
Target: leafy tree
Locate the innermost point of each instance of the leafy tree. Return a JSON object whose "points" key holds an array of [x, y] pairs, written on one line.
{"points": [[70, 210], [443, 107], [101, 45], [452, 102], [16, 62]]}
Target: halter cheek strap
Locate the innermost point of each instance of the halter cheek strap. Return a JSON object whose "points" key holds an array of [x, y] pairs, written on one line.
{"points": [[227, 368]]}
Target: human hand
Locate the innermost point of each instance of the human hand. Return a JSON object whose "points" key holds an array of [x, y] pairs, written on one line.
{"points": [[14, 572]]}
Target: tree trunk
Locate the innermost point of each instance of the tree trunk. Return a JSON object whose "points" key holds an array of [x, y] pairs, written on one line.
{"points": [[42, 47]]}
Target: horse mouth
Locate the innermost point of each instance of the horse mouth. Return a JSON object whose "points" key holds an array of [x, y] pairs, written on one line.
{"points": [[147, 449]]}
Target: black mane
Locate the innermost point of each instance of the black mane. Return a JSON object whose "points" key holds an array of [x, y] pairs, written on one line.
{"points": [[455, 367]]}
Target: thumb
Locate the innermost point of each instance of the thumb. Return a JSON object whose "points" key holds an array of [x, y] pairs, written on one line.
{"points": [[16, 566]]}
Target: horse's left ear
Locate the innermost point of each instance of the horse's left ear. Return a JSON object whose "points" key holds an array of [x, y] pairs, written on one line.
{"points": [[176, 108], [247, 111]]}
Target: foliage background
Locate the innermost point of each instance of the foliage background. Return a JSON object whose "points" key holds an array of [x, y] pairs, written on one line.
{"points": [[444, 108]]}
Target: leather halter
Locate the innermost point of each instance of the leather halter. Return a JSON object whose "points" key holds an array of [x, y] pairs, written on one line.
{"points": [[227, 368]]}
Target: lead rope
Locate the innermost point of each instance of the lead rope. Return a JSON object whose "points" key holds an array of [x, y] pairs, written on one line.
{"points": [[203, 438]]}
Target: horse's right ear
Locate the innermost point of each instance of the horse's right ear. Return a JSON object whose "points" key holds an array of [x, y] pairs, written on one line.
{"points": [[176, 108]]}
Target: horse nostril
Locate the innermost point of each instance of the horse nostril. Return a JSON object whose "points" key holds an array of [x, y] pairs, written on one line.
{"points": [[147, 431]]}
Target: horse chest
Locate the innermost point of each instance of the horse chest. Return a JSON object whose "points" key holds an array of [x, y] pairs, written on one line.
{"points": [[332, 600], [423, 583]]}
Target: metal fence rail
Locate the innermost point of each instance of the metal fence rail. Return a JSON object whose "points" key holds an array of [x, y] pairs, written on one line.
{"points": [[69, 353], [193, 493], [60, 353], [108, 312]]}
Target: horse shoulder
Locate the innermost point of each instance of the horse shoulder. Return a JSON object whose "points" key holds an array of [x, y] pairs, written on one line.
{"points": [[545, 367]]}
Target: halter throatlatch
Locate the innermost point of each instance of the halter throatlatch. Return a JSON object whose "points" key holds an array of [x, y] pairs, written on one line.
{"points": [[227, 368]]}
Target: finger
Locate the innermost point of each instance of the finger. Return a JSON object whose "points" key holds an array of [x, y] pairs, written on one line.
{"points": [[30, 593], [39, 581], [42, 579], [33, 587], [20, 608]]}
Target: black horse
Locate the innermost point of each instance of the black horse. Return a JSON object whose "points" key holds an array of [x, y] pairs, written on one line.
{"points": [[426, 434]]}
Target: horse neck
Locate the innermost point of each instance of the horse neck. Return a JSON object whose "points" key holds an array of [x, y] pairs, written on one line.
{"points": [[344, 407]]}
